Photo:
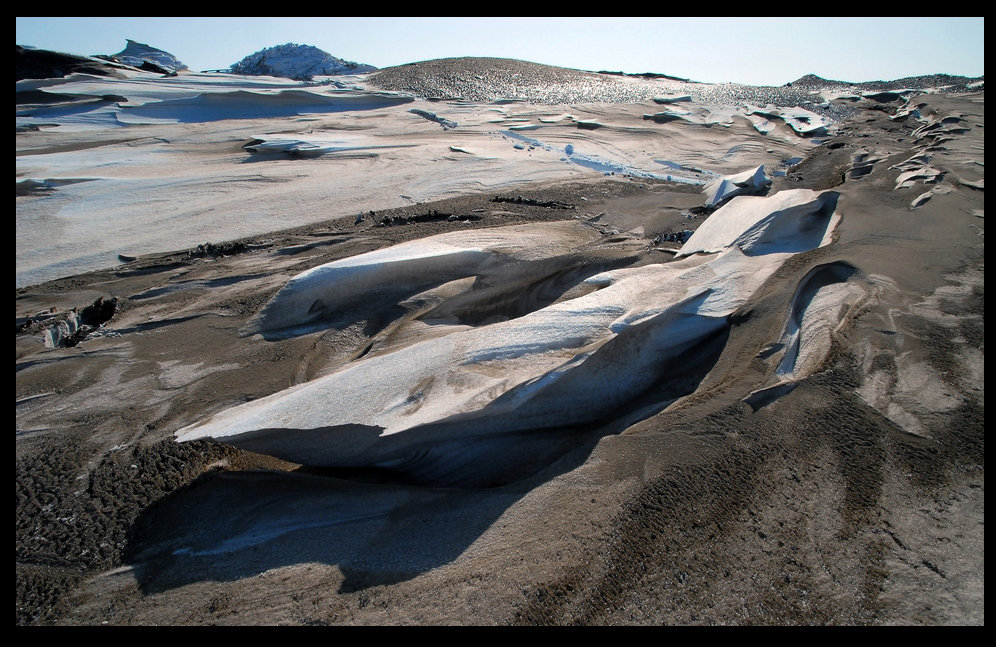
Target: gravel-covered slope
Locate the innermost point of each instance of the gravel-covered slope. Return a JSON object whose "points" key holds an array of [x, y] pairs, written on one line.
{"points": [[499, 79]]}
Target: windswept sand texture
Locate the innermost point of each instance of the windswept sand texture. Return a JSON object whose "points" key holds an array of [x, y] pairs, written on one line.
{"points": [[480, 361]]}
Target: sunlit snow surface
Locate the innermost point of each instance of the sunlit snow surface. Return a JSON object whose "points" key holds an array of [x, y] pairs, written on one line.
{"points": [[190, 98], [782, 222]]}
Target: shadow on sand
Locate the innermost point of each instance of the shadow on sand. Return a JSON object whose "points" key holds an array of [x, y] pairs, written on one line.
{"points": [[226, 526], [375, 527]]}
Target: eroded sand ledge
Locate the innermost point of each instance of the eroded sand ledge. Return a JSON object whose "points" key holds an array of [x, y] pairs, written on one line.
{"points": [[818, 459]]}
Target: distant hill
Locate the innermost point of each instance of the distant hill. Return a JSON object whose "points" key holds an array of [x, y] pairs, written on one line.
{"points": [[299, 62], [490, 79], [648, 75], [957, 83]]}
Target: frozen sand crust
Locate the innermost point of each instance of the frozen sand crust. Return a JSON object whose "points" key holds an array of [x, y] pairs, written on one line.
{"points": [[819, 305], [823, 302], [567, 364]]}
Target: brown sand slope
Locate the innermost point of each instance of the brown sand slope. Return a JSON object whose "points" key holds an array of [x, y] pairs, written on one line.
{"points": [[855, 496]]}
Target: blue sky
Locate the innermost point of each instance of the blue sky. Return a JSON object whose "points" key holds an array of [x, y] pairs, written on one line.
{"points": [[761, 51]]}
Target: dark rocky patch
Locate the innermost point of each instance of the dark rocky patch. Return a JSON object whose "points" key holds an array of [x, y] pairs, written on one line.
{"points": [[71, 327], [648, 75], [145, 66], [549, 204], [99, 312], [662, 117], [431, 116], [680, 237], [217, 250], [431, 215]]}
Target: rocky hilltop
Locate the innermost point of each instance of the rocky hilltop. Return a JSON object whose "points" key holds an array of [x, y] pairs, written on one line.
{"points": [[475, 78], [299, 62], [492, 79]]}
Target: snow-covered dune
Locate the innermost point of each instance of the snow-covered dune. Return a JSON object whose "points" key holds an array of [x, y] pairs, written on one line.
{"points": [[523, 368], [565, 365]]}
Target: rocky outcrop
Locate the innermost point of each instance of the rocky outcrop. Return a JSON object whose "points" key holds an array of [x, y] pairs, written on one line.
{"points": [[299, 62], [148, 58]]}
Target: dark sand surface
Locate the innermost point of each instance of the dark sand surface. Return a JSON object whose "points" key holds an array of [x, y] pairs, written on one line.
{"points": [[855, 498]]}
